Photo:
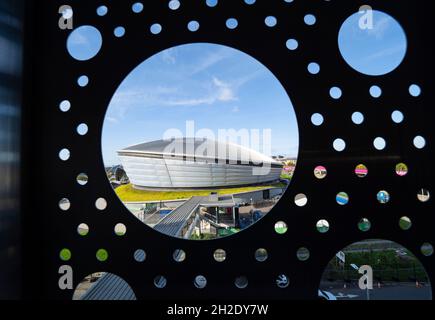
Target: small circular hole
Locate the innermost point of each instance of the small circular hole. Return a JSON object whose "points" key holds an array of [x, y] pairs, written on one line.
{"points": [[232, 23], [342, 198], [379, 143], [241, 282], [160, 282], [64, 154], [200, 282], [317, 119], [220, 255], [397, 117], [364, 225], [301, 200], [335, 93], [193, 26], [82, 179], [119, 32], [82, 129], [375, 91], [313, 68], [405, 223], [383, 197], [415, 90], [427, 249], [120, 229], [361, 171], [401, 169], [137, 7], [83, 81], [102, 11], [156, 28], [339, 145], [281, 227], [303, 254], [320, 172], [83, 229], [65, 254], [419, 142], [101, 204], [357, 118], [102, 255], [64, 204], [322, 226], [423, 195], [174, 4], [271, 21], [292, 44], [310, 19], [282, 281], [65, 106], [212, 3], [139, 255]]}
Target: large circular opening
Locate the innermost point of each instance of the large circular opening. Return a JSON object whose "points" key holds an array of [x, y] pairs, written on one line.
{"points": [[375, 270], [372, 42], [200, 141]]}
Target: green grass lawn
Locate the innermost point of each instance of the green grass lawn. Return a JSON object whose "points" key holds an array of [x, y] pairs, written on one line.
{"points": [[128, 194]]}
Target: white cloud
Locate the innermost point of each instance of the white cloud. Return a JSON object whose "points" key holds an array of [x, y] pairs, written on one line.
{"points": [[380, 27], [168, 56]]}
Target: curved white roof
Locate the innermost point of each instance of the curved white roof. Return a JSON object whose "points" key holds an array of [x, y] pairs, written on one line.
{"points": [[199, 148]]}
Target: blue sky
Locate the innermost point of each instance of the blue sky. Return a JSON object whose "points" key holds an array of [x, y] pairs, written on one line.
{"points": [[216, 86], [222, 88]]}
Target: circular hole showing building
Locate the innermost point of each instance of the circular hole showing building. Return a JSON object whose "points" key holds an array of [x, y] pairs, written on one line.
{"points": [[82, 179], [200, 282], [64, 204], [160, 282], [423, 195], [140, 255], [281, 227], [261, 255], [282, 281], [364, 225], [383, 197], [83, 229], [322, 226], [342, 198], [320, 172], [401, 169], [189, 149], [375, 269], [179, 255], [301, 200], [241, 282], [103, 286], [405, 223], [303, 254]]}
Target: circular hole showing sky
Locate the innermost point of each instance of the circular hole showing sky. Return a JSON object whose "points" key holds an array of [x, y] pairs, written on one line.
{"points": [[200, 141], [372, 42]]}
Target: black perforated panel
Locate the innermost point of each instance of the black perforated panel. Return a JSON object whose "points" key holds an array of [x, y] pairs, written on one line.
{"points": [[52, 179]]}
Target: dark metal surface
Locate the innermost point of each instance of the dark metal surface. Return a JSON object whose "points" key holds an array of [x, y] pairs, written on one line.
{"points": [[52, 130], [11, 42]]}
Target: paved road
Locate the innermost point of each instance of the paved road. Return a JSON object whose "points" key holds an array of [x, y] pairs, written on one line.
{"points": [[389, 292]]}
